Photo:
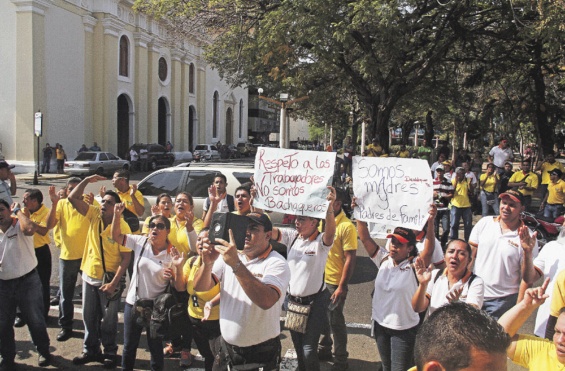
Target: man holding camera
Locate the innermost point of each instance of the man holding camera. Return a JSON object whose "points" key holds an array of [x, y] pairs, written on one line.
{"points": [[254, 282]]}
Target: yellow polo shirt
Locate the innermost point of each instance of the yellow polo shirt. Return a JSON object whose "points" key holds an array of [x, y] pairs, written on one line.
{"points": [[178, 235], [535, 353], [546, 167], [40, 217], [461, 193], [125, 197], [490, 182], [556, 192], [72, 228], [92, 258], [203, 297], [345, 240], [404, 154], [558, 295], [531, 181]]}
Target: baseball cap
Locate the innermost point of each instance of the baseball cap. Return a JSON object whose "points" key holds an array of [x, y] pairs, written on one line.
{"points": [[557, 172], [4, 164], [446, 162], [440, 167], [403, 235], [261, 219], [459, 169], [514, 195]]}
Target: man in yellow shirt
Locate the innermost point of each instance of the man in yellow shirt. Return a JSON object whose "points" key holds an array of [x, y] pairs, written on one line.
{"points": [[339, 269], [130, 196], [374, 149], [101, 254], [461, 204], [37, 212], [72, 229], [552, 203], [545, 167], [525, 181], [529, 351]]}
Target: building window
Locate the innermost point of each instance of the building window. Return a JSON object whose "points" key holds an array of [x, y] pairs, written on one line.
{"points": [[163, 69], [215, 115], [124, 56], [191, 78], [240, 118]]}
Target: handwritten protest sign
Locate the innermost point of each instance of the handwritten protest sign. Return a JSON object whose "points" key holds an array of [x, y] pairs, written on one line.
{"points": [[392, 191], [292, 181]]}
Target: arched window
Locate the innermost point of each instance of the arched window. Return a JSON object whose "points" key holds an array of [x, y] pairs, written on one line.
{"points": [[241, 118], [191, 78], [124, 56], [215, 115]]}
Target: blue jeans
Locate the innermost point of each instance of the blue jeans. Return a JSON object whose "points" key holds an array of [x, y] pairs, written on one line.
{"points": [[306, 345], [497, 307], [338, 328], [132, 334], [553, 211], [68, 272], [485, 206], [456, 214], [26, 293], [100, 318], [442, 218], [396, 347]]}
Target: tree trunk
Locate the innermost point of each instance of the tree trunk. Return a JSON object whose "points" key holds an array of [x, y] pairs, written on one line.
{"points": [[544, 129], [380, 117]]}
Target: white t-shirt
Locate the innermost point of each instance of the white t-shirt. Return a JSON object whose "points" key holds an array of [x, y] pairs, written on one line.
{"points": [[306, 260], [500, 156], [437, 254], [549, 262], [471, 175], [437, 291], [242, 322], [499, 257], [150, 282], [394, 288], [17, 255]]}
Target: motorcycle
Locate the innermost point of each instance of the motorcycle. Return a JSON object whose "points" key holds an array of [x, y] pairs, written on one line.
{"points": [[548, 230]]}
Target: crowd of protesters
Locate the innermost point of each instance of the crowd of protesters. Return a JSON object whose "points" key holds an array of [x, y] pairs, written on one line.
{"points": [[432, 284]]}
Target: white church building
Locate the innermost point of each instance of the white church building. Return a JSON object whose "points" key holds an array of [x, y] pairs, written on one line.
{"points": [[99, 72]]}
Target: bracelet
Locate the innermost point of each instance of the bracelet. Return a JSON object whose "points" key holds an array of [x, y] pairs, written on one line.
{"points": [[15, 212], [236, 267]]}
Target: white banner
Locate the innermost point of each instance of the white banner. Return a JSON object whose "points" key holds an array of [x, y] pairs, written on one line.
{"points": [[392, 191], [292, 181]]}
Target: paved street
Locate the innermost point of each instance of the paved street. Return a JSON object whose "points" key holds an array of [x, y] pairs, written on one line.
{"points": [[362, 348]]}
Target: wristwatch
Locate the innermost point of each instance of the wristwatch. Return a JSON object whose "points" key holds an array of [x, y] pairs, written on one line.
{"points": [[15, 211]]}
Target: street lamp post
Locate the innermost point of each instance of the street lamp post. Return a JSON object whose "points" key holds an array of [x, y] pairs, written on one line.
{"points": [[284, 103]]}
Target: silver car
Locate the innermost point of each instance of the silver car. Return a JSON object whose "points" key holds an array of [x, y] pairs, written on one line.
{"points": [[88, 163]]}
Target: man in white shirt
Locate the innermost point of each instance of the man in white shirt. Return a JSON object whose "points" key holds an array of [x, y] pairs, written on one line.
{"points": [[254, 282], [226, 203], [500, 154], [503, 251]]}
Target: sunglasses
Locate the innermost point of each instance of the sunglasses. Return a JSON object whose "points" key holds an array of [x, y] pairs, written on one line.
{"points": [[159, 226]]}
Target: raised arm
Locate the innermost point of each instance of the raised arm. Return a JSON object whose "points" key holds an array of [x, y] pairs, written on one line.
{"points": [[138, 205], [116, 228], [529, 243], [430, 243], [27, 226], [329, 233], [75, 197], [514, 318], [420, 301], [214, 201], [52, 217]]}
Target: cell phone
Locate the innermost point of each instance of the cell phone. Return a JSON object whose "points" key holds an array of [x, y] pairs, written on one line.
{"points": [[221, 225]]}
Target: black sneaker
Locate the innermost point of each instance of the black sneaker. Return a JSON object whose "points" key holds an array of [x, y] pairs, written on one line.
{"points": [[325, 355], [19, 322], [44, 360], [109, 361], [85, 358], [54, 301], [65, 334]]}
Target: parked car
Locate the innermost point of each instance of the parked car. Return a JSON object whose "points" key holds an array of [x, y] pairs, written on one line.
{"points": [[88, 163], [157, 155], [195, 179], [207, 152], [247, 149], [185, 156]]}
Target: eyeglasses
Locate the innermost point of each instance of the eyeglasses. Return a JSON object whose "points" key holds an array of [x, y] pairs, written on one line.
{"points": [[159, 226]]}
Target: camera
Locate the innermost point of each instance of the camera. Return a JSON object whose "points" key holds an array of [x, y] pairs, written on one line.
{"points": [[223, 222]]}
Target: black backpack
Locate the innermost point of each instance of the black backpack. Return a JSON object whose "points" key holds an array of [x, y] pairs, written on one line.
{"points": [[131, 219]]}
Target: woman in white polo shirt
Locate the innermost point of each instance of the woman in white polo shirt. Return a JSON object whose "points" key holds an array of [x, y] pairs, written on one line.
{"points": [[149, 280], [394, 322], [454, 283]]}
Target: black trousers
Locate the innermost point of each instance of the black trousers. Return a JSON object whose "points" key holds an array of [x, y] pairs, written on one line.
{"points": [[43, 255]]}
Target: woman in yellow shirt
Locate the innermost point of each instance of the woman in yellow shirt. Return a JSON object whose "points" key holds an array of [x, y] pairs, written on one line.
{"points": [[489, 183], [163, 206], [184, 225], [203, 308]]}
